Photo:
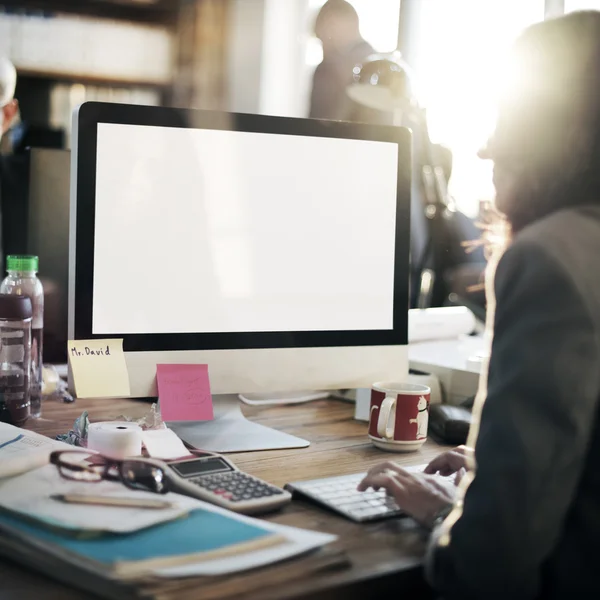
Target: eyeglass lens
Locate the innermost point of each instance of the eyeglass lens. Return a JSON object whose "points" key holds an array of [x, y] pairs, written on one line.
{"points": [[81, 466], [143, 476]]}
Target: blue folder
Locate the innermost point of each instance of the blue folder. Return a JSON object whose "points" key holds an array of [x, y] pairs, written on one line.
{"points": [[201, 531]]}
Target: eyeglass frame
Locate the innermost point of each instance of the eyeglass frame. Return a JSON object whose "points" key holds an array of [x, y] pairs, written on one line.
{"points": [[108, 464]]}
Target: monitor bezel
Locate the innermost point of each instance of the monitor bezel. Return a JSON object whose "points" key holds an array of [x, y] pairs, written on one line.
{"points": [[86, 121]]}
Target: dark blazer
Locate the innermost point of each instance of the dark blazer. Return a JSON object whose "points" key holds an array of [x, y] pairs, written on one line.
{"points": [[530, 526]]}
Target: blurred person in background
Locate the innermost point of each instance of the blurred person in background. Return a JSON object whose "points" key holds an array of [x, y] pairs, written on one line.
{"points": [[9, 112], [9, 107], [14, 190], [524, 522], [436, 244], [337, 27]]}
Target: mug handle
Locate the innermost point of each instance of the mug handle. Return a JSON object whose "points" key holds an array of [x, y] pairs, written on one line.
{"points": [[384, 429]]}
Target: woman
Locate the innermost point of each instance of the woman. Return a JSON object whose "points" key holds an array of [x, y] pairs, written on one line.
{"points": [[529, 523]]}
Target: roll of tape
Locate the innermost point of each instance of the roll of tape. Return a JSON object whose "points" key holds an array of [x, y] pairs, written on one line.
{"points": [[115, 439]]}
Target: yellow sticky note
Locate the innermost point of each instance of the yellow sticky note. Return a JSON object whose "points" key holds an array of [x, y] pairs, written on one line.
{"points": [[98, 368]]}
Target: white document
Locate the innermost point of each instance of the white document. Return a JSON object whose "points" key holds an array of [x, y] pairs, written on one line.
{"points": [[29, 494], [164, 444], [299, 542], [448, 322], [22, 450]]}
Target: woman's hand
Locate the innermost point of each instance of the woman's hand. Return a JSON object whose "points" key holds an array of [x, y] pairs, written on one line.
{"points": [[450, 462], [419, 495]]}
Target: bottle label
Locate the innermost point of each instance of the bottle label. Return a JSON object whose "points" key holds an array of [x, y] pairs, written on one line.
{"points": [[14, 353]]}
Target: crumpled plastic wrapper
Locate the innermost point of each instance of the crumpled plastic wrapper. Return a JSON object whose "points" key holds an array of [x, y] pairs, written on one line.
{"points": [[151, 420], [77, 436]]}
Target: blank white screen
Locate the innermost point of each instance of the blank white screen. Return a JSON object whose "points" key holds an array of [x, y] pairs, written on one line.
{"points": [[220, 231]]}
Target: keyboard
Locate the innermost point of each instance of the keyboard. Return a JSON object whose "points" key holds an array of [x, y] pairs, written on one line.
{"points": [[340, 495]]}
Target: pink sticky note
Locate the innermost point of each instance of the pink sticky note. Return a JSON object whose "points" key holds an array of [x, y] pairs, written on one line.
{"points": [[184, 393]]}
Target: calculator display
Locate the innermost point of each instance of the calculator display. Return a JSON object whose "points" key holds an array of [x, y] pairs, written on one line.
{"points": [[200, 467]]}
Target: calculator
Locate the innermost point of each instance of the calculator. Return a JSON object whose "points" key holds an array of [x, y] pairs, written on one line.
{"points": [[215, 479]]}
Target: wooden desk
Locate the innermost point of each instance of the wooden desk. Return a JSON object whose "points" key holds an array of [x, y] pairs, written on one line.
{"points": [[367, 558]]}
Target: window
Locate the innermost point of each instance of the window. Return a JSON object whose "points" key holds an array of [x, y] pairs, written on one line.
{"points": [[457, 53], [573, 5]]}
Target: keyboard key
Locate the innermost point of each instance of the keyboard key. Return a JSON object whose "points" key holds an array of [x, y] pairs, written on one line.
{"points": [[376, 502], [363, 511], [340, 493], [345, 501], [357, 504], [337, 496]]}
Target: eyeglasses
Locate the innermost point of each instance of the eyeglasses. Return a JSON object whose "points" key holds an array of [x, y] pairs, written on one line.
{"points": [[136, 473]]}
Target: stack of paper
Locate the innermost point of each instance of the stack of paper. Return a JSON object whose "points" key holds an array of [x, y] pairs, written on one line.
{"points": [[203, 535], [112, 548], [22, 450], [29, 495]]}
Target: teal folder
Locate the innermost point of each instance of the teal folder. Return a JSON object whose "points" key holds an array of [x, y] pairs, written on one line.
{"points": [[200, 535]]}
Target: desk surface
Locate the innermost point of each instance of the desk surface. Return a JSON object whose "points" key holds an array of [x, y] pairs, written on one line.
{"points": [[366, 557]]}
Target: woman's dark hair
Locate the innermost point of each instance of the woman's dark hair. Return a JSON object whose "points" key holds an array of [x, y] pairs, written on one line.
{"points": [[547, 136]]}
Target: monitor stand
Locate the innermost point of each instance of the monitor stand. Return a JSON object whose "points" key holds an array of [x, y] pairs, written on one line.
{"points": [[230, 431]]}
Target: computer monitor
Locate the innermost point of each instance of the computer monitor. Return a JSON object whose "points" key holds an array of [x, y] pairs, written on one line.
{"points": [[274, 250]]}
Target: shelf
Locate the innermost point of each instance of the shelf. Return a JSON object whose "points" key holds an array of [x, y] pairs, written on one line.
{"points": [[162, 12], [93, 79]]}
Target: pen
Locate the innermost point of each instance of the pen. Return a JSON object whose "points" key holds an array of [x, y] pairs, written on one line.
{"points": [[110, 501]]}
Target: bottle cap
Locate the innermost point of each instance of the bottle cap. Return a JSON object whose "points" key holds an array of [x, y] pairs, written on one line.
{"points": [[21, 262], [14, 307]]}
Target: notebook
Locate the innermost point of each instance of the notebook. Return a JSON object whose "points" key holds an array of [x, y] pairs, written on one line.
{"points": [[202, 535]]}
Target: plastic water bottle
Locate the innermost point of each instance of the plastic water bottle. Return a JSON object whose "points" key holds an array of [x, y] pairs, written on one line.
{"points": [[22, 280], [15, 358]]}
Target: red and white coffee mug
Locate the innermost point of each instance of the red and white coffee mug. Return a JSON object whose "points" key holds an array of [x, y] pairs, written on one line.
{"points": [[399, 416]]}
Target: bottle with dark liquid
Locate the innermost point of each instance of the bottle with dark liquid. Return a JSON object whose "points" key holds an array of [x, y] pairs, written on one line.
{"points": [[22, 280], [15, 358]]}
